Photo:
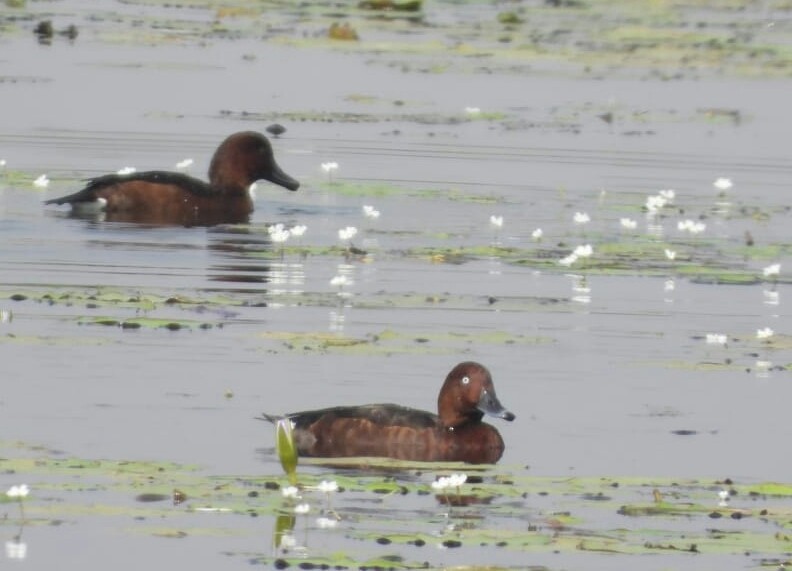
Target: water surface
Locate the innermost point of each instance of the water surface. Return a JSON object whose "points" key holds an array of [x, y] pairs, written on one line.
{"points": [[602, 369]]}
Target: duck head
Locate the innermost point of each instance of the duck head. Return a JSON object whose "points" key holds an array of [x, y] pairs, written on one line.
{"points": [[467, 394], [242, 159]]}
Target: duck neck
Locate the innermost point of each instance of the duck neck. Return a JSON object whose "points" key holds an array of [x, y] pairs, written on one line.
{"points": [[229, 186], [459, 420], [228, 178]]}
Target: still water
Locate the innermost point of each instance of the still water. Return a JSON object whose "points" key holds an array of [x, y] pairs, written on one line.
{"points": [[608, 373]]}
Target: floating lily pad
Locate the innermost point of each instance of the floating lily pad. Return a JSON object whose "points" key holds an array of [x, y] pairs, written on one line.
{"points": [[385, 509], [144, 322]]}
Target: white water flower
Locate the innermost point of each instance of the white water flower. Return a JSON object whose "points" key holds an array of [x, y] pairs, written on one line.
{"points": [[440, 484], [126, 170], [298, 230], [20, 491], [370, 212], [328, 486], [670, 254], [280, 237], [568, 260], [668, 195], [628, 223], [581, 218], [288, 541], [537, 234], [473, 111], [691, 226], [669, 285], [584, 251], [723, 497], [716, 339], [496, 221], [452, 481], [184, 165], [41, 182], [290, 492], [655, 203], [456, 480], [278, 233], [772, 270], [339, 281], [329, 168], [764, 333], [722, 183], [302, 508], [347, 233]]}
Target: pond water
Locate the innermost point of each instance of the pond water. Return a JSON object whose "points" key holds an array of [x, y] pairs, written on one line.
{"points": [[609, 372]]}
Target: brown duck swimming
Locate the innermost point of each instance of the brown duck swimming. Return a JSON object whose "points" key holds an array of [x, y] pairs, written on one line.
{"points": [[455, 434], [162, 197]]}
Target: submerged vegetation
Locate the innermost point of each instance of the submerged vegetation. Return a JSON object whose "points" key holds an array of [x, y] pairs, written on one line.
{"points": [[665, 236], [394, 514], [667, 40], [375, 514]]}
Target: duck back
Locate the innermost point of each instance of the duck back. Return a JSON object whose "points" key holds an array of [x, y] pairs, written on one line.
{"points": [[393, 431]]}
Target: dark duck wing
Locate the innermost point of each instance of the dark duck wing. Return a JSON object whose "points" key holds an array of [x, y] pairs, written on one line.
{"points": [[100, 186], [377, 414], [381, 430]]}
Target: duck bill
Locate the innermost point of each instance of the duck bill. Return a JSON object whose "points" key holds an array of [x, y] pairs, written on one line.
{"points": [[489, 404], [277, 176]]}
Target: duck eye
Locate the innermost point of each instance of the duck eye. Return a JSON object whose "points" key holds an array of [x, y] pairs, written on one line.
{"points": [[465, 380]]}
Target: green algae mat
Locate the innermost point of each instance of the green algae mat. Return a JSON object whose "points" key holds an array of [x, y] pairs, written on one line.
{"points": [[378, 514], [652, 38]]}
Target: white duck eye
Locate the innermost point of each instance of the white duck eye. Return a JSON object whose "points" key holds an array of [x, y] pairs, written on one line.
{"points": [[465, 380]]}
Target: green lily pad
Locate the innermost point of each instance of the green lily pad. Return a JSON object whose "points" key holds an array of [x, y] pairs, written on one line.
{"points": [[144, 322], [385, 509]]}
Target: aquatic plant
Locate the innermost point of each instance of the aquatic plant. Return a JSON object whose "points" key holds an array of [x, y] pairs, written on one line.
{"points": [[329, 168], [581, 218], [41, 182], [370, 212], [388, 510], [771, 270], [19, 493], [286, 448]]}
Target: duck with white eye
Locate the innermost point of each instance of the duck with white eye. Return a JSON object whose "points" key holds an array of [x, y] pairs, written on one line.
{"points": [[488, 403], [455, 433]]}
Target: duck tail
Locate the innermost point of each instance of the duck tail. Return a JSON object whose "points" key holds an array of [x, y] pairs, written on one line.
{"points": [[273, 418]]}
